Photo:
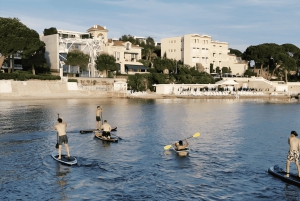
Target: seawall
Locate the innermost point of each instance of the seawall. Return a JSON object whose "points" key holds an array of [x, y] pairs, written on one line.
{"points": [[36, 89]]}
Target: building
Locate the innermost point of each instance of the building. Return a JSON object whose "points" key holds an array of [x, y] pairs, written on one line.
{"points": [[94, 42], [201, 51], [12, 63], [58, 45]]}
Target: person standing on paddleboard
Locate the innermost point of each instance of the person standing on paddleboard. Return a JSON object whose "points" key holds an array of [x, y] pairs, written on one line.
{"points": [[62, 136], [293, 154], [98, 117], [106, 129]]}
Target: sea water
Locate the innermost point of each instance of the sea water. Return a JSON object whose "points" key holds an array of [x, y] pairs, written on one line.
{"points": [[239, 141]]}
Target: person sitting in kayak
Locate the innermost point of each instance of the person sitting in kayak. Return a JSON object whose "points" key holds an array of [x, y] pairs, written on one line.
{"points": [[293, 154], [180, 146], [106, 130]]}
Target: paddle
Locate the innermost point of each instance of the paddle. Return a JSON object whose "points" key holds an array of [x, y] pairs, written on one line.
{"points": [[57, 145], [167, 147], [117, 136], [101, 117]]}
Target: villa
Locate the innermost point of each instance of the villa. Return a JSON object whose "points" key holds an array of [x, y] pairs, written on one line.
{"points": [[94, 42]]}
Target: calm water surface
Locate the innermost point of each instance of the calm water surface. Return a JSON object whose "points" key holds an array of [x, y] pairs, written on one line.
{"points": [[240, 140]]}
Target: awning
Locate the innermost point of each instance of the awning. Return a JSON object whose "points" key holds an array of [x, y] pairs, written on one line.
{"points": [[135, 67], [227, 82]]}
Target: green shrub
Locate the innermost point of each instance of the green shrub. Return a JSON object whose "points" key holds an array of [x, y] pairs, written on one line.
{"points": [[23, 76], [7, 76], [72, 80]]}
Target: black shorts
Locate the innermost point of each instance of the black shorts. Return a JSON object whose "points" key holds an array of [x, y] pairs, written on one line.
{"points": [[62, 139], [105, 133], [98, 118]]}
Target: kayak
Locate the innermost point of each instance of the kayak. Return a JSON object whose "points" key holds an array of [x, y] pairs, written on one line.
{"points": [[281, 174], [182, 152], [111, 139]]}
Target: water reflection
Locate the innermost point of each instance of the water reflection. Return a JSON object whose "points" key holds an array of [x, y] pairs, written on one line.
{"points": [[291, 192], [62, 181]]}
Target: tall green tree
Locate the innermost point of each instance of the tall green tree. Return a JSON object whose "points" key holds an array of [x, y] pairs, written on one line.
{"points": [[36, 60], [106, 62], [77, 58], [15, 36], [275, 58], [236, 52], [148, 47]]}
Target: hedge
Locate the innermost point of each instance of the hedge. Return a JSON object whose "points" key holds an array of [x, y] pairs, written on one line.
{"points": [[26, 76]]}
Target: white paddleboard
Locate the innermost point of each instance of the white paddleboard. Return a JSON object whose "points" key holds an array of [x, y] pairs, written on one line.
{"points": [[64, 159]]}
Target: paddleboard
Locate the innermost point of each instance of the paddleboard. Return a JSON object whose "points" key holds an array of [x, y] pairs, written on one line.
{"points": [[64, 159], [281, 174], [92, 130], [112, 139]]}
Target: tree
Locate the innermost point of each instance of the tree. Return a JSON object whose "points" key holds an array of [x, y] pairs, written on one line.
{"points": [[160, 64], [50, 31], [225, 70], [77, 58], [148, 47], [137, 82], [106, 62], [272, 57], [15, 36], [131, 39], [235, 52], [36, 60]]}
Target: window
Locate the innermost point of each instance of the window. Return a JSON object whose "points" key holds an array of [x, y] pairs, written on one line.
{"points": [[118, 56], [127, 46], [195, 59]]}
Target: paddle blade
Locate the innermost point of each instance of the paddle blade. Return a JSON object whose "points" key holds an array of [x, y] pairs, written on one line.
{"points": [[196, 135], [167, 147]]}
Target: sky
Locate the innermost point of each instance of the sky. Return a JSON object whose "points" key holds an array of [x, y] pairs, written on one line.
{"points": [[240, 23]]}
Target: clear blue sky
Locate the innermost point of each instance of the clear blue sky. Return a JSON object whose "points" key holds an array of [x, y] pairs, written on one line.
{"points": [[241, 23]]}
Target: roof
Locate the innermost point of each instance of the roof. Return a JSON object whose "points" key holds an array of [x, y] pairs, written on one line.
{"points": [[122, 43], [97, 27]]}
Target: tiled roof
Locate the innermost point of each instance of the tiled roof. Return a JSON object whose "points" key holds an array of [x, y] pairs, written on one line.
{"points": [[121, 43], [96, 27]]}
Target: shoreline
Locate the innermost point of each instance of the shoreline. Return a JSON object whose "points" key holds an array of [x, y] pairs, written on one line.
{"points": [[152, 95]]}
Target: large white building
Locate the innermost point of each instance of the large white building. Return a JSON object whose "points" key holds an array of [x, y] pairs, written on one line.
{"points": [[94, 42], [200, 51]]}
